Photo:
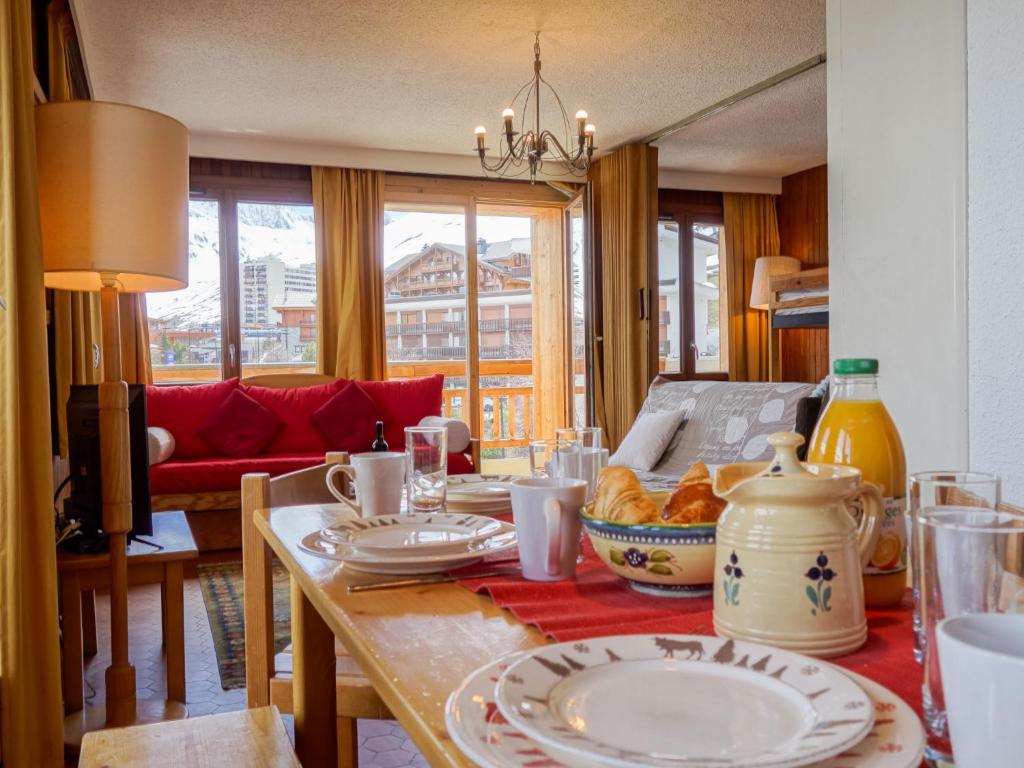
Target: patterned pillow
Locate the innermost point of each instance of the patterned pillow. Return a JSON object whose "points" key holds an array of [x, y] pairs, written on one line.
{"points": [[726, 421]]}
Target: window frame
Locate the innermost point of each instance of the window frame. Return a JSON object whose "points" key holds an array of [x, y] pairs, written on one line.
{"points": [[687, 208], [228, 192]]}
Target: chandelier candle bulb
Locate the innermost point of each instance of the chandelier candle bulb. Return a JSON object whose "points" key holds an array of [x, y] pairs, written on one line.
{"points": [[481, 134], [581, 122]]}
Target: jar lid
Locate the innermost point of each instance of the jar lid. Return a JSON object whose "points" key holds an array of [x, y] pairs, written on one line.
{"points": [[853, 366]]}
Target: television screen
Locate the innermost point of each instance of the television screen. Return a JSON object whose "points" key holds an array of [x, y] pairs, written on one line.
{"points": [[85, 502]]}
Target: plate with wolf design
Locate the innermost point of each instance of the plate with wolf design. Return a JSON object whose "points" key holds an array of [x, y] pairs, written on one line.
{"points": [[477, 726], [683, 701]]}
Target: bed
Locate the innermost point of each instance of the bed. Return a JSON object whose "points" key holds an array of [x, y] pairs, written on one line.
{"points": [[799, 299]]}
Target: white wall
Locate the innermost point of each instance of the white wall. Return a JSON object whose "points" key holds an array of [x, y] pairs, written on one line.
{"points": [[995, 82], [897, 244]]}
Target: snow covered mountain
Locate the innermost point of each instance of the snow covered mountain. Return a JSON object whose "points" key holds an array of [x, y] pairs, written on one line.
{"points": [[287, 231]]}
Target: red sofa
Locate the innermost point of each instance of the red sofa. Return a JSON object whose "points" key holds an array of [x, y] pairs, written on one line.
{"points": [[201, 479]]}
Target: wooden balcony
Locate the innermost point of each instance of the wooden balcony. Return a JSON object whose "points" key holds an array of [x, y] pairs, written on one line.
{"points": [[505, 414]]}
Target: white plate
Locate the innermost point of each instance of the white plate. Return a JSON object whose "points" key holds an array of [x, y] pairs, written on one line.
{"points": [[353, 558], [485, 490], [413, 534], [683, 700], [470, 479], [480, 730]]}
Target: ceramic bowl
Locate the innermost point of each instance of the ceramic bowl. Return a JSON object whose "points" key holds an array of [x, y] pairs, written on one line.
{"points": [[662, 560]]}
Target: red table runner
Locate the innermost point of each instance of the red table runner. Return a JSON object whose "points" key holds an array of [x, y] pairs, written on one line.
{"points": [[600, 603]]}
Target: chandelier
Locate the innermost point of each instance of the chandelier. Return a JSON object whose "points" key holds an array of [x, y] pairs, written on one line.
{"points": [[529, 147]]}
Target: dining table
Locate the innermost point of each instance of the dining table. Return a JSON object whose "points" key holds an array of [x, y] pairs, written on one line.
{"points": [[416, 644]]}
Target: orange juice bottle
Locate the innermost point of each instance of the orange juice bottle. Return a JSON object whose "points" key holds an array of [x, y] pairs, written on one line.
{"points": [[856, 430]]}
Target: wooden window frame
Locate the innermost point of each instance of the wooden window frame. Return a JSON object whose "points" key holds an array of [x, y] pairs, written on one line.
{"points": [[229, 183], [686, 208]]}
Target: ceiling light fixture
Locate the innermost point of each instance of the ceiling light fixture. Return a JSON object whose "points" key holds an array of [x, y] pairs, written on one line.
{"points": [[527, 149]]}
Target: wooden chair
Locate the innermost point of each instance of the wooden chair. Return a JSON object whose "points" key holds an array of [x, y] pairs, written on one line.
{"points": [[268, 678], [249, 737]]}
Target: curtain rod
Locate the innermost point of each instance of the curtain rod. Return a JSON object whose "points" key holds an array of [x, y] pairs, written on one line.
{"points": [[729, 101]]}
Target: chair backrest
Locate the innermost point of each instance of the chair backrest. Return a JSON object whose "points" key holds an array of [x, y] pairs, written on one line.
{"points": [[260, 492], [283, 380]]}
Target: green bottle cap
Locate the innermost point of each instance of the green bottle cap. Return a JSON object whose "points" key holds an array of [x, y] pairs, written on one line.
{"points": [[855, 366]]}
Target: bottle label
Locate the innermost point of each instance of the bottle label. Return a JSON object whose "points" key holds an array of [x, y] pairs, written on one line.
{"points": [[890, 555]]}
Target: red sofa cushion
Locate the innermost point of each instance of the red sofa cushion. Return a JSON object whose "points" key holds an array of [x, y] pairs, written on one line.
{"points": [[221, 473], [295, 407], [241, 427], [460, 464], [183, 410], [225, 474], [348, 421], [403, 403]]}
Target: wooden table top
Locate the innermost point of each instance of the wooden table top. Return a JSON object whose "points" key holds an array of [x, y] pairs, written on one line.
{"points": [[415, 644], [170, 530]]}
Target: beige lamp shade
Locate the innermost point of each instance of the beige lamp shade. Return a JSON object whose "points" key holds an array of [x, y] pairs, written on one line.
{"points": [[767, 267], [113, 196]]}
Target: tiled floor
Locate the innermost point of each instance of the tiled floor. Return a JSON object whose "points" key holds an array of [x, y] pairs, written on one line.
{"points": [[382, 744]]}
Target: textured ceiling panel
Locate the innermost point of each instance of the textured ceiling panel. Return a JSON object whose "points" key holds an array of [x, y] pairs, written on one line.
{"points": [[774, 133], [420, 74]]}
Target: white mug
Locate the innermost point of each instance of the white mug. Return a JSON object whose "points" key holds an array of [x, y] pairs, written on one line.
{"points": [[982, 661], [546, 514], [379, 479]]}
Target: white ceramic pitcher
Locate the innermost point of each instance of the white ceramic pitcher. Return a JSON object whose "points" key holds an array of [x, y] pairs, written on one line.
{"points": [[788, 554]]}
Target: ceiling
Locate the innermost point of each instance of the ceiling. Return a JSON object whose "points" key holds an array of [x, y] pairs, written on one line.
{"points": [[404, 75]]}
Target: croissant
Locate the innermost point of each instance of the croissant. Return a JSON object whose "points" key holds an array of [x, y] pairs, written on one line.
{"points": [[620, 498], [693, 501]]}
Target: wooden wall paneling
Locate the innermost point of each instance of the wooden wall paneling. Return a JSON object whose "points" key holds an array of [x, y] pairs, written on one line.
{"points": [[803, 232], [550, 348]]}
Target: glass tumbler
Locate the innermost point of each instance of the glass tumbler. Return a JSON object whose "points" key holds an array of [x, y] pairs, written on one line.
{"points": [[972, 561], [556, 458], [940, 489], [593, 456], [426, 468]]}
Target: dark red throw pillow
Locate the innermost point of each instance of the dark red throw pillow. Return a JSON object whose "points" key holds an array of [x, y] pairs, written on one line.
{"points": [[348, 421], [183, 409], [241, 427]]}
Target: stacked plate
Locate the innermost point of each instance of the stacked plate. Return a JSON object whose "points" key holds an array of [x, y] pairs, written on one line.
{"points": [[480, 494], [678, 701], [411, 544]]}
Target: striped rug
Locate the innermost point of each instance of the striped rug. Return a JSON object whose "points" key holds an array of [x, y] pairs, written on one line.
{"points": [[222, 592]]}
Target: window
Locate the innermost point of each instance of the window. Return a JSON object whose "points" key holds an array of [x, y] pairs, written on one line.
{"points": [[692, 300], [185, 325], [250, 305], [277, 288]]}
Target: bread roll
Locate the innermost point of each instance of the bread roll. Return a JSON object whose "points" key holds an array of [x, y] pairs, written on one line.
{"points": [[693, 501], [620, 498]]}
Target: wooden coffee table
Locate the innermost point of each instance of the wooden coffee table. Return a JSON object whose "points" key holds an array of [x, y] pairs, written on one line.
{"points": [[78, 574]]}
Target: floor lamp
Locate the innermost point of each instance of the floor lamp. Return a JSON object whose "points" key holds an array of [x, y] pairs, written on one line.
{"points": [[113, 193]]}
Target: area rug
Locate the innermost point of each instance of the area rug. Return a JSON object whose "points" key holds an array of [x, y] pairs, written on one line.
{"points": [[222, 592]]}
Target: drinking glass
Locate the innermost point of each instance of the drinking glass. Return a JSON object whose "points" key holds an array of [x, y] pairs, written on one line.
{"points": [[426, 473], [556, 458], [593, 457], [972, 561], [940, 489]]}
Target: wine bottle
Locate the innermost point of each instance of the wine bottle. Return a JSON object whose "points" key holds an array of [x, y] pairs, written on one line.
{"points": [[380, 444]]}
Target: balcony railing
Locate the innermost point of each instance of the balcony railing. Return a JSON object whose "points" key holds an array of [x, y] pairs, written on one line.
{"points": [[445, 326]]}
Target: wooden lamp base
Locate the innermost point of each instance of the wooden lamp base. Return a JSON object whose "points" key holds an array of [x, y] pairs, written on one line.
{"points": [[94, 718]]}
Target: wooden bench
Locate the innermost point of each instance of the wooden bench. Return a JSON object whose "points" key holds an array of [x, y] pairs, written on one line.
{"points": [[252, 737]]}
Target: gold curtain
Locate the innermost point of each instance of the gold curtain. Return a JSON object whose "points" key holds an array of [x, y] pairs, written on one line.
{"points": [[76, 314], [751, 230], [30, 694], [625, 193], [348, 206]]}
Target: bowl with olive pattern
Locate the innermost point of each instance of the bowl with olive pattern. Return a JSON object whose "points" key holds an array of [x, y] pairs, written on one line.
{"points": [[663, 560]]}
